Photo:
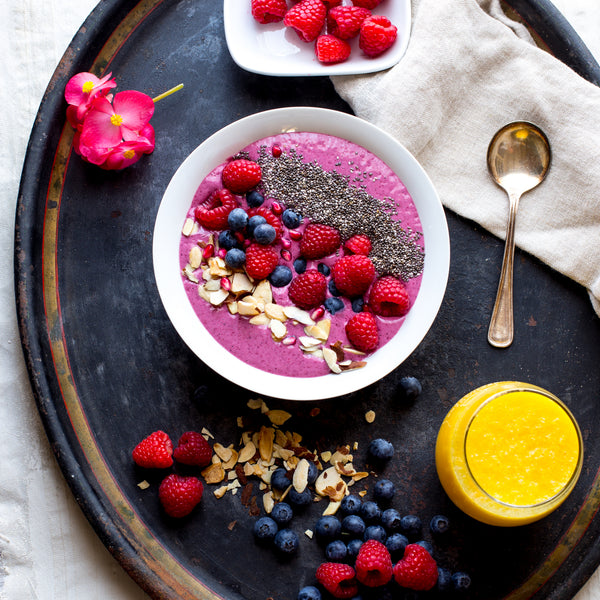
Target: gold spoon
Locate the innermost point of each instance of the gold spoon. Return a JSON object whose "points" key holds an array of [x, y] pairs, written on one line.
{"points": [[518, 158]]}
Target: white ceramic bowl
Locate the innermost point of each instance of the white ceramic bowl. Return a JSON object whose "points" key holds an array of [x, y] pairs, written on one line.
{"points": [[225, 143], [274, 49]]}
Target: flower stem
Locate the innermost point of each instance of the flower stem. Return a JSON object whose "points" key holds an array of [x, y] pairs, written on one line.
{"points": [[168, 93]]}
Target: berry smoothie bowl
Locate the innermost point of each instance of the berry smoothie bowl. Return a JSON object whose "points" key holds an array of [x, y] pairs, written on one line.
{"points": [[301, 253]]}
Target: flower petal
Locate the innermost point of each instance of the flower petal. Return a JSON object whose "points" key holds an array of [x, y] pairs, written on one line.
{"points": [[98, 131], [135, 108]]}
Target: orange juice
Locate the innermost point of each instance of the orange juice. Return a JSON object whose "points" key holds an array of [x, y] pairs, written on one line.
{"points": [[509, 453]]}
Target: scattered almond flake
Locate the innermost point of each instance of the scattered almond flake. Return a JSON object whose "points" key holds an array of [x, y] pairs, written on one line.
{"points": [[195, 257], [189, 273], [297, 314], [265, 442], [355, 364], [360, 475], [352, 350], [315, 412], [241, 283], [331, 359], [362, 493], [207, 434], [278, 330], [292, 463], [249, 469], [214, 473], [188, 227], [233, 485], [248, 307], [223, 453], [326, 456], [231, 525], [262, 486], [345, 363], [275, 311], [231, 475], [285, 493], [263, 292], [220, 491], [217, 298], [278, 416], [308, 341], [229, 464], [247, 452], [215, 459], [212, 285], [268, 502], [341, 455], [300, 477], [261, 319], [327, 482], [203, 293], [319, 330], [263, 407], [254, 403], [309, 533], [370, 416], [347, 469], [283, 453], [332, 507], [234, 491], [355, 446], [143, 485], [232, 307]]}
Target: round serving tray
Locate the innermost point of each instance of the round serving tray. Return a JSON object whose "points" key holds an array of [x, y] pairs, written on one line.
{"points": [[107, 368]]}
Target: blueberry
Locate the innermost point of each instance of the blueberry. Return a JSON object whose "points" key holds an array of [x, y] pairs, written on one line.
{"points": [[290, 218], [391, 519], [254, 199], [333, 289], [235, 258], [265, 529], [309, 592], [353, 525], [286, 541], [328, 528], [324, 269], [439, 524], [370, 512], [351, 504], [384, 490], [358, 304], [381, 449], [411, 525], [237, 219], [280, 276], [396, 544], [444, 580], [300, 265], [300, 498], [282, 513], [264, 233], [333, 305], [409, 388], [426, 545], [254, 222], [313, 473], [353, 547], [336, 551], [279, 479], [375, 532], [228, 240], [461, 581]]}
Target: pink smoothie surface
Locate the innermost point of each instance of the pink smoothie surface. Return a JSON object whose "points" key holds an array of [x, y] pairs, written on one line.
{"points": [[367, 176]]}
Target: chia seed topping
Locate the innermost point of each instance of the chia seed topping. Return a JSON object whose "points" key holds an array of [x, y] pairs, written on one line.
{"points": [[330, 198]]}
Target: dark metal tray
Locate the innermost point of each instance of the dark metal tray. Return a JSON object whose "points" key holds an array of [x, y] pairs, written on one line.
{"points": [[107, 367]]}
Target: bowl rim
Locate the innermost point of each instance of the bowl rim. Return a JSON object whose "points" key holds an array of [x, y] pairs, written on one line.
{"points": [[228, 141]]}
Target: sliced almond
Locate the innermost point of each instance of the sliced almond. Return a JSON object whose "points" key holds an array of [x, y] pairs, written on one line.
{"points": [[254, 403], [331, 359], [220, 491], [223, 453], [260, 319], [203, 293], [300, 477], [229, 464], [327, 483], [248, 307], [247, 452], [352, 350], [214, 473], [332, 507], [268, 502], [370, 416], [265, 442], [212, 285], [232, 307], [297, 314], [143, 485], [188, 227], [319, 330], [241, 283], [188, 271], [195, 257], [218, 297], [277, 416], [278, 329], [308, 341], [275, 311], [263, 292]]}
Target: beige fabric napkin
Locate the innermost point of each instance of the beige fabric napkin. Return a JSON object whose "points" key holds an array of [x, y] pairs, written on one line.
{"points": [[467, 71]]}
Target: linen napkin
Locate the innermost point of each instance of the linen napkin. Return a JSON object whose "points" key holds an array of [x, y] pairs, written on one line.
{"points": [[468, 70]]}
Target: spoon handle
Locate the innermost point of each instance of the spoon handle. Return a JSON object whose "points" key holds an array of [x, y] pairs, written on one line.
{"points": [[501, 330]]}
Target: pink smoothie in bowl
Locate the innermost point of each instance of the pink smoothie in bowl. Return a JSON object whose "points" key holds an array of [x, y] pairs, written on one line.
{"points": [[326, 180]]}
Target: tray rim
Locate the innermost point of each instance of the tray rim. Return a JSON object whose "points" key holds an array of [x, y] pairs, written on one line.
{"points": [[93, 46]]}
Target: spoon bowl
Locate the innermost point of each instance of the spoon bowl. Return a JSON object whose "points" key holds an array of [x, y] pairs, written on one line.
{"points": [[518, 159]]}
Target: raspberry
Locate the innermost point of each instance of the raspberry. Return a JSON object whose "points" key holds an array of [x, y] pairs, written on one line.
{"points": [[353, 274], [154, 452], [359, 244], [338, 579], [330, 50], [307, 18], [193, 449], [377, 34], [269, 217], [370, 4], [331, 3], [389, 298], [260, 260], [308, 289], [373, 564], [417, 570], [241, 175], [345, 21], [268, 11], [362, 332], [319, 241], [213, 212], [179, 495]]}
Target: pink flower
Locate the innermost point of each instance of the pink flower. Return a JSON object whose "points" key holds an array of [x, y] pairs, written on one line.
{"points": [[106, 125], [127, 153], [81, 90]]}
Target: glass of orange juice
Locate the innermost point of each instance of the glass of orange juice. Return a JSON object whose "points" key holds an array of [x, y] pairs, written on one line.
{"points": [[509, 453]]}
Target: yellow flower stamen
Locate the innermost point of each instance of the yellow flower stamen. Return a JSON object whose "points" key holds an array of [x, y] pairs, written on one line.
{"points": [[87, 87], [128, 154], [116, 120]]}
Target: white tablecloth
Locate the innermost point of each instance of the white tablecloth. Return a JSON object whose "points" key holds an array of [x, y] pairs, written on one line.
{"points": [[47, 548]]}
